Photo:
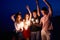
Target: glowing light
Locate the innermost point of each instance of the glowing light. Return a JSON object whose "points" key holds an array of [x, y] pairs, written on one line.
{"points": [[37, 21], [32, 19]]}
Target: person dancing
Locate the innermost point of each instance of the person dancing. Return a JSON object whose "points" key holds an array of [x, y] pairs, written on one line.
{"points": [[35, 28], [18, 25], [45, 21], [27, 23]]}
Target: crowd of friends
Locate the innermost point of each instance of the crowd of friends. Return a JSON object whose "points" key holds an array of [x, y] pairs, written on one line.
{"points": [[33, 26]]}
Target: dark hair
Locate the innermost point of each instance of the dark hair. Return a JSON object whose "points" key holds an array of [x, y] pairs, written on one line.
{"points": [[35, 11], [18, 13], [44, 9]]}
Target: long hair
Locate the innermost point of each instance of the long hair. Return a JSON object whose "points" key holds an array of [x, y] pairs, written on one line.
{"points": [[16, 16]]}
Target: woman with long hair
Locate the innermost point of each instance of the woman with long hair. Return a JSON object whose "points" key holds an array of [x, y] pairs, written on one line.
{"points": [[18, 23], [27, 24]]}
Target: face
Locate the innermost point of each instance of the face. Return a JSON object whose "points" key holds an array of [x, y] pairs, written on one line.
{"points": [[43, 12], [27, 16], [34, 14], [19, 17]]}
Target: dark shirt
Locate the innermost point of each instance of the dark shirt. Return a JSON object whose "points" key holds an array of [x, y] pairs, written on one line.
{"points": [[33, 27]]}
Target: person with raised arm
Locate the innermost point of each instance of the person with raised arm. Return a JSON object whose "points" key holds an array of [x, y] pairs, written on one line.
{"points": [[18, 23], [35, 28], [27, 23], [46, 21]]}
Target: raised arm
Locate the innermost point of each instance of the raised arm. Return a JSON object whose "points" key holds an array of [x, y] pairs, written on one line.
{"points": [[38, 9], [27, 7], [49, 8], [12, 17]]}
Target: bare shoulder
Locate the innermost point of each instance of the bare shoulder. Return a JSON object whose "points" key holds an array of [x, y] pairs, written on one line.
{"points": [[41, 19]]}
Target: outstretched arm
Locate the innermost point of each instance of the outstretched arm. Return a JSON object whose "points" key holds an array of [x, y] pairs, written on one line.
{"points": [[49, 8], [12, 17], [27, 7], [38, 9]]}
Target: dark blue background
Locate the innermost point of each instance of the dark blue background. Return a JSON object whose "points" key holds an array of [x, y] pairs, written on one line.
{"points": [[9, 7]]}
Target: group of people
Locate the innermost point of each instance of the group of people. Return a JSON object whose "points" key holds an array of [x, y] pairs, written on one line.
{"points": [[33, 25]]}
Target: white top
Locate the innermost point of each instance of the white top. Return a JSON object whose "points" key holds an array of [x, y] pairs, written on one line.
{"points": [[27, 24], [19, 26]]}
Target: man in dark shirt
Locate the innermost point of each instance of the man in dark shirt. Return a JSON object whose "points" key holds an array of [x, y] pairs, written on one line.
{"points": [[35, 28]]}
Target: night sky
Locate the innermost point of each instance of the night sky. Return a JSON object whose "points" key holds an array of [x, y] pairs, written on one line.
{"points": [[9, 7]]}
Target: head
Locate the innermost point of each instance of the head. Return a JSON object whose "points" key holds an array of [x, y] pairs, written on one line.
{"points": [[18, 16], [44, 11], [35, 13], [27, 16]]}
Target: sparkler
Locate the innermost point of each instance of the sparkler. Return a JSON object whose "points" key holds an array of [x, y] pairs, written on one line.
{"points": [[37, 21]]}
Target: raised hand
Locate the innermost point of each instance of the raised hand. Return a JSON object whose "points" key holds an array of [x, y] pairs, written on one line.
{"points": [[38, 9], [44, 0], [49, 7], [12, 17], [27, 7], [36, 1]]}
